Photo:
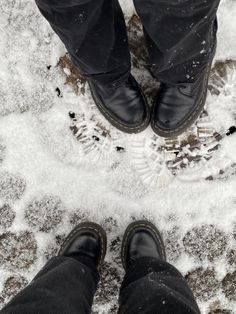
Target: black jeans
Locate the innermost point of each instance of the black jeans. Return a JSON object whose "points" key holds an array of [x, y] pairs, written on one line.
{"points": [[180, 36], [66, 286]]}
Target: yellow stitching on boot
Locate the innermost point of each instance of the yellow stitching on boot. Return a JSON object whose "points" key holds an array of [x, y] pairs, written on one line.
{"points": [[86, 228], [101, 107], [148, 227], [193, 113]]}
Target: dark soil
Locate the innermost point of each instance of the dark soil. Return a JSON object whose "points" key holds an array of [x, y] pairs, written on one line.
{"points": [[17, 251], [229, 286], [203, 283], [231, 257], [44, 214], [77, 217], [7, 216], [216, 308], [205, 242], [108, 289], [12, 186], [12, 286], [74, 78]]}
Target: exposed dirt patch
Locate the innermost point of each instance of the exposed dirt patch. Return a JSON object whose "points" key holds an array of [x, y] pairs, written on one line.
{"points": [[12, 286], [205, 242], [45, 214], [115, 249], [216, 308], [137, 42], [12, 186], [115, 245], [203, 283], [77, 217], [218, 75], [7, 216], [108, 289], [231, 258], [229, 286], [140, 57], [17, 251], [109, 223], [72, 74]]}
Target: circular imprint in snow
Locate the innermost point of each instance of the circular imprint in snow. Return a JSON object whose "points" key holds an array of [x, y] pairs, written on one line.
{"points": [[17, 251], [229, 286], [12, 186], [203, 283], [7, 216], [44, 214], [205, 242], [12, 286]]}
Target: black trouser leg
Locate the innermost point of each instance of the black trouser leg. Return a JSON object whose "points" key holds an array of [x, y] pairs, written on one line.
{"points": [[94, 34], [63, 286], [151, 286], [180, 35]]}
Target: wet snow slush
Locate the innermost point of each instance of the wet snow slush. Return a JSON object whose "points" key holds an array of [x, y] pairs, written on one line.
{"points": [[61, 163]]}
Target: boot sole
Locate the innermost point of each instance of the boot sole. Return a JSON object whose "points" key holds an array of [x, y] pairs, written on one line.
{"points": [[189, 121], [146, 225], [93, 227], [122, 127]]}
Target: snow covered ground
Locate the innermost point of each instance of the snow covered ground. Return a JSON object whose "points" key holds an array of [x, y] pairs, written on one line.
{"points": [[56, 170]]}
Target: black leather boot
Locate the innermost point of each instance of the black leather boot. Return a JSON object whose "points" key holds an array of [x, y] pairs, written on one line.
{"points": [[177, 107], [141, 239], [123, 105], [86, 241]]}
